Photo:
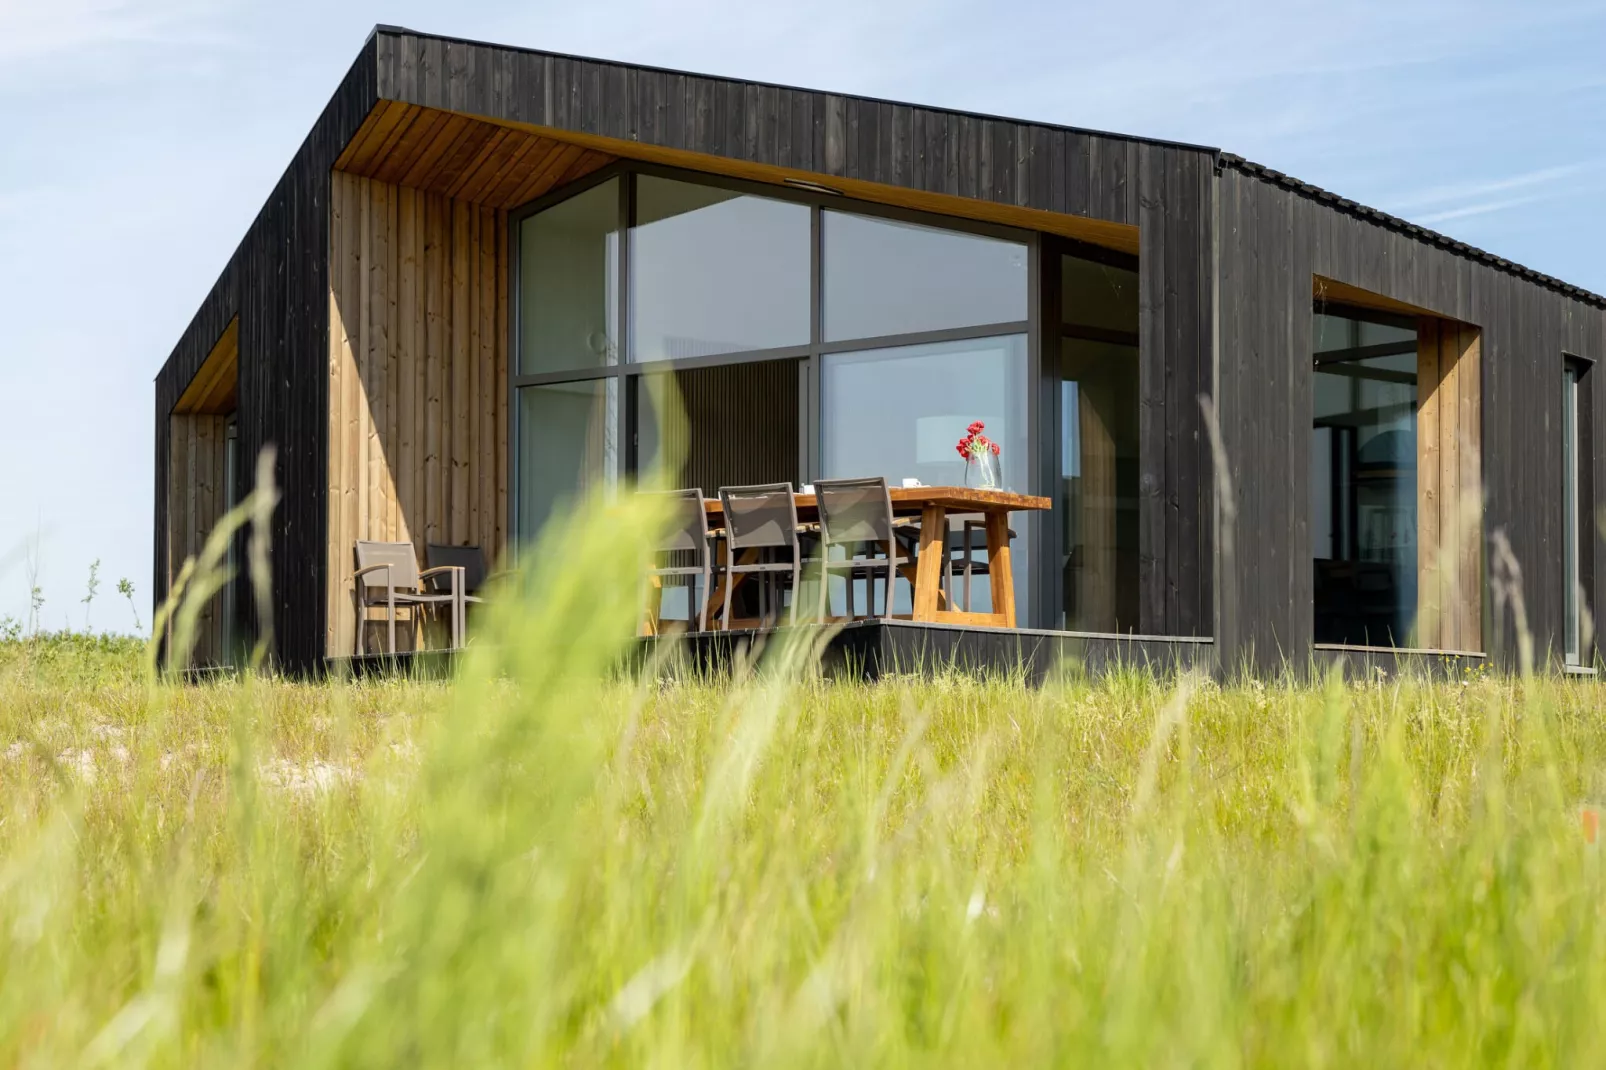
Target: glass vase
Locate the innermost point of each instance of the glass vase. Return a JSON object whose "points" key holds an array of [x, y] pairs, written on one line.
{"points": [[982, 471]]}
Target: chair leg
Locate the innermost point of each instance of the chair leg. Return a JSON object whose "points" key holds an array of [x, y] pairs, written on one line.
{"points": [[730, 586], [702, 606], [390, 617], [797, 592]]}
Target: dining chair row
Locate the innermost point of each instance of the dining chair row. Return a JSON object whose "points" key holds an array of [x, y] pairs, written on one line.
{"points": [[857, 538]]}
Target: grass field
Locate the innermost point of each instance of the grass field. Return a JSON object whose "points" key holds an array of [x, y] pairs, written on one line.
{"points": [[544, 862]]}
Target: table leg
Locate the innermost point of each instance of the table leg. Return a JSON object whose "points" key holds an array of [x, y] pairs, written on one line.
{"points": [[928, 566], [999, 570]]}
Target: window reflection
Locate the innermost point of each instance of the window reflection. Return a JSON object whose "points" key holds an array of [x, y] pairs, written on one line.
{"points": [[568, 448], [1099, 446], [884, 277], [568, 282], [712, 271]]}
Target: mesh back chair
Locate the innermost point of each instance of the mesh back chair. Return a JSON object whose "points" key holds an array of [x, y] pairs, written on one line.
{"points": [[388, 575], [856, 514], [761, 518], [683, 554], [471, 559]]}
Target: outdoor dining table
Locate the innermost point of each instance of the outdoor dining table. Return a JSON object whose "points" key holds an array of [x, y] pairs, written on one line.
{"points": [[932, 505]]}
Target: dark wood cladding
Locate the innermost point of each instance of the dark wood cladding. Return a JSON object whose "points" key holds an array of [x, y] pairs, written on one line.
{"points": [[276, 283], [1272, 240], [1160, 188]]}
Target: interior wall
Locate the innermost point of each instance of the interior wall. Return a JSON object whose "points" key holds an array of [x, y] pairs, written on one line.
{"points": [[196, 500], [418, 418]]}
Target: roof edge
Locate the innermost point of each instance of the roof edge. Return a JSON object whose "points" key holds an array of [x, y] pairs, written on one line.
{"points": [[1432, 237], [986, 116]]}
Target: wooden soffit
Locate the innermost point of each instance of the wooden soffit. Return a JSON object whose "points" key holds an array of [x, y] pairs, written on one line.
{"points": [[506, 164], [1325, 289], [462, 156], [213, 388]]}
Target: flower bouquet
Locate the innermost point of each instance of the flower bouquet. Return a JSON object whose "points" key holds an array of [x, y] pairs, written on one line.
{"points": [[981, 456]]}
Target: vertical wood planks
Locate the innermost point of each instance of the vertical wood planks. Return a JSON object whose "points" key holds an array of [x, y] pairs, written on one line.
{"points": [[1429, 353], [417, 369]]}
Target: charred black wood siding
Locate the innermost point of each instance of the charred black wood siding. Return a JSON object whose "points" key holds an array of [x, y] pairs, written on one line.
{"points": [[276, 283], [1274, 237], [1161, 188]]}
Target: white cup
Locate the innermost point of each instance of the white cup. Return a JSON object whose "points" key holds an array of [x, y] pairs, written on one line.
{"points": [[907, 482]]}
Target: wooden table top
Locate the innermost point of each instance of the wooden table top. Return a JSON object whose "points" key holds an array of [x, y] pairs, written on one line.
{"points": [[910, 501]]}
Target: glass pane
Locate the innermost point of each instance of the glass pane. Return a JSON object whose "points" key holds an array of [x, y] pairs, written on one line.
{"points": [[901, 412], [568, 283], [884, 277], [567, 448], [738, 425], [713, 271], [1098, 295], [1363, 482], [1569, 522], [1099, 476]]}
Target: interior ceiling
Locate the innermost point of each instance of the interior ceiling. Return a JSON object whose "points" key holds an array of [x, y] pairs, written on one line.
{"points": [[460, 156], [507, 164]]}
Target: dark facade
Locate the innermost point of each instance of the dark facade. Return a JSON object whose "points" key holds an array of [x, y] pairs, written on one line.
{"points": [[1226, 254]]}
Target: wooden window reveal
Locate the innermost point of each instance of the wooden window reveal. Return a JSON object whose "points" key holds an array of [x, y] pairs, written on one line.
{"points": [[1449, 485]]}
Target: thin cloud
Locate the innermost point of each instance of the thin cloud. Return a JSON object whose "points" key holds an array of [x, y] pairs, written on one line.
{"points": [[1471, 190], [1481, 208]]}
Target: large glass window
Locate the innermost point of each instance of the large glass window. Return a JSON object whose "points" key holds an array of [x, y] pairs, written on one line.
{"points": [[567, 448], [885, 278], [817, 318], [1570, 516], [1099, 444], [1363, 480], [713, 271], [568, 282]]}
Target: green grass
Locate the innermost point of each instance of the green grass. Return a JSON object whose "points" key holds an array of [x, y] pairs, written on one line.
{"points": [[544, 862]]}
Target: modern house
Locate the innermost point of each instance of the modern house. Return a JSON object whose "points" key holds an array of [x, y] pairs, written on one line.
{"points": [[447, 314]]}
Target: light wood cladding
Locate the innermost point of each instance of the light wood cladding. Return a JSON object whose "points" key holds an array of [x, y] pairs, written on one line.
{"points": [[1449, 436], [463, 157], [197, 498], [506, 164], [214, 388], [418, 417]]}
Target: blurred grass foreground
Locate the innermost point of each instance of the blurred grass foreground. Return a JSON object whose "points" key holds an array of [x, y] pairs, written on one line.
{"points": [[549, 860]]}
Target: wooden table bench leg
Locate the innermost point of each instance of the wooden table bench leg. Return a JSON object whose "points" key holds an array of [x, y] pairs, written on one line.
{"points": [[928, 566], [999, 570]]}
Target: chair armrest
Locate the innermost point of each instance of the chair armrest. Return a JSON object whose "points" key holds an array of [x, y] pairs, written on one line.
{"points": [[455, 571]]}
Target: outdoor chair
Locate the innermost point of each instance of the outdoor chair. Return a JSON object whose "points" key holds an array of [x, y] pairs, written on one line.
{"points": [[683, 554], [856, 515], [761, 518], [388, 575], [471, 559], [967, 535]]}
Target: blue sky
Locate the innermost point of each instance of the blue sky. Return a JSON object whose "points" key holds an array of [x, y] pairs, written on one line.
{"points": [[139, 139]]}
